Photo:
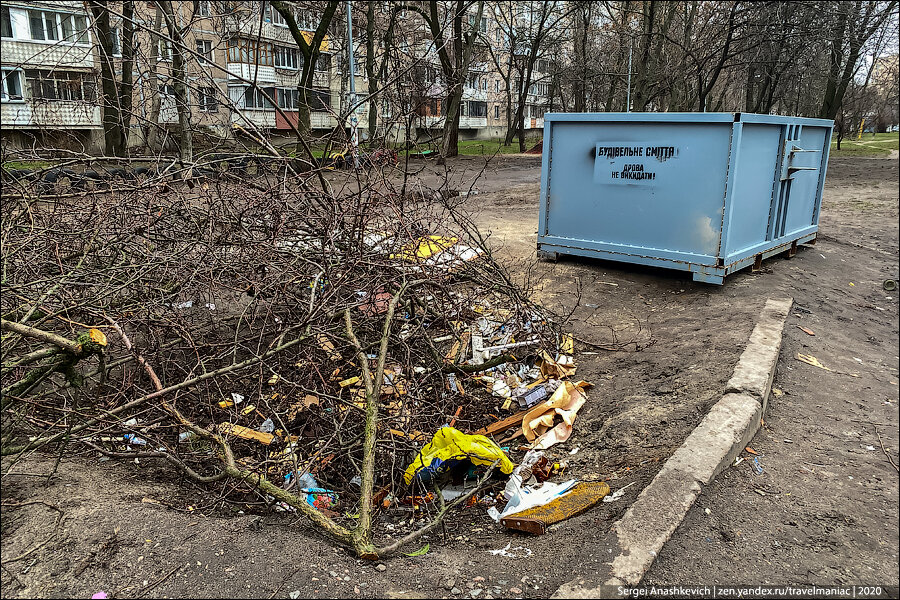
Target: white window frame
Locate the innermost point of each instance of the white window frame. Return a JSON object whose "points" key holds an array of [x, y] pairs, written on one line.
{"points": [[204, 8], [279, 51], [204, 104], [5, 90], [12, 25], [204, 57], [166, 51], [277, 18], [80, 39], [117, 47]]}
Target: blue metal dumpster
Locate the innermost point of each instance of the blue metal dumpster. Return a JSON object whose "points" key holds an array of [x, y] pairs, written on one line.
{"points": [[709, 193]]}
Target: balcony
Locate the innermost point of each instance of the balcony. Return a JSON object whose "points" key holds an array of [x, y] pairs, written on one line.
{"points": [[261, 73], [55, 114], [470, 93], [472, 122], [263, 118]]}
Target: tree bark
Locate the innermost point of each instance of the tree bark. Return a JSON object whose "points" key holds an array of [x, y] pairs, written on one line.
{"points": [[112, 122], [179, 77]]}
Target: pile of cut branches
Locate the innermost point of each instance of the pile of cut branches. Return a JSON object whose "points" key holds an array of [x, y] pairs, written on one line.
{"points": [[261, 329]]}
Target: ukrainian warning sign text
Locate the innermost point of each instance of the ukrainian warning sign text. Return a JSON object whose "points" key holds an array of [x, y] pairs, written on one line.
{"points": [[631, 163]]}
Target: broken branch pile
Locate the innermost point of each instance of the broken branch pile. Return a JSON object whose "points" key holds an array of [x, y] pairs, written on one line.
{"points": [[308, 343]]}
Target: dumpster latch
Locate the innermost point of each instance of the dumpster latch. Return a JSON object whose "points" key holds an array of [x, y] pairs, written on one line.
{"points": [[788, 166]]}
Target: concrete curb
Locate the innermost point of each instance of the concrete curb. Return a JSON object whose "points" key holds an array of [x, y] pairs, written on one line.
{"points": [[636, 538]]}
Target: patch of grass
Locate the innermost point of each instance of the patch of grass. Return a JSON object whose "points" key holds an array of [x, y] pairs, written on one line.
{"points": [[30, 165], [879, 145], [490, 147]]}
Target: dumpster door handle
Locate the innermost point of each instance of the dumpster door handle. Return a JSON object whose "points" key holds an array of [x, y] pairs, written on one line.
{"points": [[788, 168]]}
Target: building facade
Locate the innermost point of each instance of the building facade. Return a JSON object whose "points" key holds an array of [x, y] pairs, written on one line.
{"points": [[49, 71], [242, 71]]}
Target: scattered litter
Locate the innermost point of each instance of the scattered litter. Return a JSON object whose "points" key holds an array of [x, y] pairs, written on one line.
{"points": [[751, 450], [530, 497], [574, 451], [778, 393], [812, 360], [246, 433], [509, 552], [420, 552], [267, 427], [99, 596], [131, 438], [756, 465], [737, 460], [618, 493], [566, 401], [889, 285], [568, 502], [806, 330], [448, 448]]}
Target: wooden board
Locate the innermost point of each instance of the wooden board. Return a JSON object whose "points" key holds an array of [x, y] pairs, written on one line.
{"points": [[536, 520]]}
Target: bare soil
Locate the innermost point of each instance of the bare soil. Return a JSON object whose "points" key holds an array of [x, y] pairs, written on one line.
{"points": [[824, 510]]}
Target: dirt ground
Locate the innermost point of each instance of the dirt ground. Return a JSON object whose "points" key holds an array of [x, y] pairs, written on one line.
{"points": [[823, 511]]}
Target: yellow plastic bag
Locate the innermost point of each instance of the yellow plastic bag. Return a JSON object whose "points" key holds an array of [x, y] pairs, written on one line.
{"points": [[450, 446], [425, 247]]}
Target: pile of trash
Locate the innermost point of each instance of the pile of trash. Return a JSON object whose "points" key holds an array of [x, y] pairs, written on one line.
{"points": [[475, 380]]}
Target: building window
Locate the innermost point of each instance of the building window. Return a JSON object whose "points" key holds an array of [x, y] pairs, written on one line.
{"points": [[288, 98], [246, 51], [165, 50], [43, 25], [12, 85], [323, 63], [482, 25], [278, 19], [256, 98], [114, 41], [473, 81], [208, 101], [74, 26], [496, 85], [285, 57], [496, 111], [475, 109], [5, 23], [203, 8], [484, 84], [167, 89], [204, 49], [60, 85], [306, 20], [320, 100]]}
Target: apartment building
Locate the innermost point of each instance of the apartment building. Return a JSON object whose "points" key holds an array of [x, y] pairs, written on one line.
{"points": [[241, 62], [49, 82]]}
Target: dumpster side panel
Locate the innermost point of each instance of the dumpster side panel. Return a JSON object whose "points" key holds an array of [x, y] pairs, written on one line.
{"points": [[754, 187], [805, 182], [654, 189]]}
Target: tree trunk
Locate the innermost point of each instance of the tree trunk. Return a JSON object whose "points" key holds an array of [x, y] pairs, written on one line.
{"points": [[112, 125], [153, 128], [186, 146], [370, 69], [126, 88], [450, 142]]}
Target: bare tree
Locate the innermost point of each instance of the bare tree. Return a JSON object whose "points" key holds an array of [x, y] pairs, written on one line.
{"points": [[117, 95], [851, 25], [310, 49]]}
